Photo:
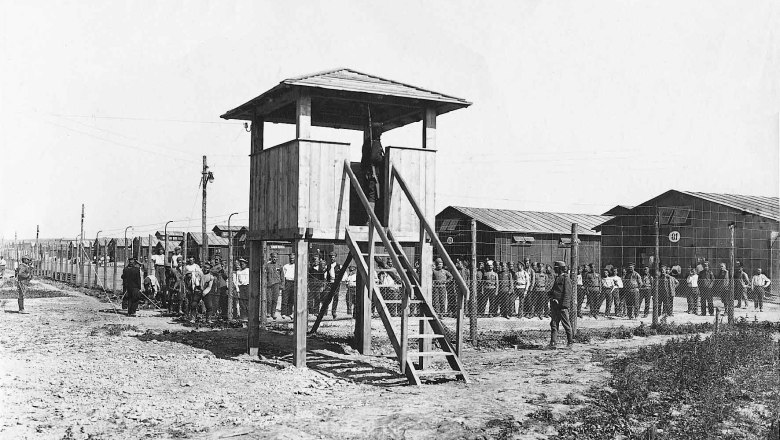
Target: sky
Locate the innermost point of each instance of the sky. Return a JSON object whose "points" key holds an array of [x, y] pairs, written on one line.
{"points": [[578, 105]]}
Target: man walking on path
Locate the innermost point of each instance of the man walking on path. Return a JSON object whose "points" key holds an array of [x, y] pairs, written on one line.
{"points": [[23, 277], [560, 298], [131, 285]]}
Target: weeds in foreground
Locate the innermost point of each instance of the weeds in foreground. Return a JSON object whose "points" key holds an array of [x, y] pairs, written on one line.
{"points": [[113, 329], [689, 388]]}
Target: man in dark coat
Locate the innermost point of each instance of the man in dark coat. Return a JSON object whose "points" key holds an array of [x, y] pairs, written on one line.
{"points": [[560, 299], [23, 277], [706, 284], [131, 285]]}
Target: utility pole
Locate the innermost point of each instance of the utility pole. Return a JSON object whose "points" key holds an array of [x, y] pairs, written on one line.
{"points": [[37, 250], [81, 247], [206, 177]]}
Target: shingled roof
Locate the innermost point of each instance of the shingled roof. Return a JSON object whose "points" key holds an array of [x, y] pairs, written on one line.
{"points": [[764, 206], [532, 222], [340, 98]]}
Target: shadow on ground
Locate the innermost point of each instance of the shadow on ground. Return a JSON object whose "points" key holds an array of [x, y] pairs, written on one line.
{"points": [[332, 358]]}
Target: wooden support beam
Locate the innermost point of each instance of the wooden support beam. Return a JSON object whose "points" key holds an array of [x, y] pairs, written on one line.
{"points": [[303, 116], [429, 129], [362, 316], [301, 318], [255, 273]]}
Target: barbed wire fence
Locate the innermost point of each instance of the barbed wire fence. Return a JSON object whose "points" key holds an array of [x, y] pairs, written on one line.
{"points": [[681, 241]]}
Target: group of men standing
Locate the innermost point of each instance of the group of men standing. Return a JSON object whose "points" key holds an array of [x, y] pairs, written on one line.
{"points": [[187, 288]]}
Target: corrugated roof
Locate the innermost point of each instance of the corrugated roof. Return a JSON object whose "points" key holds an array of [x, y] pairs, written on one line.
{"points": [[354, 81], [760, 205], [214, 239], [534, 222]]}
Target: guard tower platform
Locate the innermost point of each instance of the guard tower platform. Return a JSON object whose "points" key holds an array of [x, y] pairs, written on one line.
{"points": [[307, 189]]}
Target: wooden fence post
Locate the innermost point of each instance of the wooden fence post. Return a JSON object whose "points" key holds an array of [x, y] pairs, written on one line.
{"points": [[474, 287]]}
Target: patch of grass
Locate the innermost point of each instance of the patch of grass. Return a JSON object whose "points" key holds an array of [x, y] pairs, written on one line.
{"points": [[687, 388]]}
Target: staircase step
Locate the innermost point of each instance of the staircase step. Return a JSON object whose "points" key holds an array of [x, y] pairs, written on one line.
{"points": [[418, 354], [438, 372], [420, 318], [376, 254], [389, 269], [426, 336], [398, 301]]}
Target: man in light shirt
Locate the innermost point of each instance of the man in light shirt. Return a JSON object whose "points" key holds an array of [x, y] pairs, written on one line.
{"points": [[288, 292], [692, 283], [242, 282], [177, 257], [159, 264], [521, 289], [759, 282], [351, 289]]}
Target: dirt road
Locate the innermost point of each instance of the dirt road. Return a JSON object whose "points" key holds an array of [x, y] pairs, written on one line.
{"points": [[73, 369]]}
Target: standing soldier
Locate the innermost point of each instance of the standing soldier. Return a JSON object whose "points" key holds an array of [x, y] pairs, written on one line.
{"points": [[131, 285], [159, 265], [273, 280], [242, 283], [541, 280], [592, 286], [692, 284], [522, 284], [351, 290], [23, 277], [760, 283], [633, 282], [560, 298], [441, 278], [706, 283], [479, 274], [489, 290], [666, 288], [506, 289]]}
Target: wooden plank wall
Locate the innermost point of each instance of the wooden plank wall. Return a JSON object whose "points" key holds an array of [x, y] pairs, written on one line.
{"points": [[299, 185], [418, 168], [327, 194]]}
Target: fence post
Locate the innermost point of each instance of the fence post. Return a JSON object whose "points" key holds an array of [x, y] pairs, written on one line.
{"points": [[656, 269], [113, 279], [473, 296], [575, 263], [730, 294]]}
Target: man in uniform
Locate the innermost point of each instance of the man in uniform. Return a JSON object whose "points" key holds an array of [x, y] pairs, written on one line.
{"points": [[741, 286], [722, 288], [273, 282], [351, 291], [667, 285], [489, 289], [242, 282], [131, 285], [560, 298], [633, 282], [159, 265], [23, 277], [592, 286], [441, 278], [538, 298]]}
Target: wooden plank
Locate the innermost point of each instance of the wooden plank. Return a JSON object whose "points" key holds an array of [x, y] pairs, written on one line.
{"points": [[304, 171], [303, 116], [300, 320], [314, 186]]}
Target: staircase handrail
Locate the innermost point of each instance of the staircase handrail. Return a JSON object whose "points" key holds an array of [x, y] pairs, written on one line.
{"points": [[434, 238], [382, 234]]}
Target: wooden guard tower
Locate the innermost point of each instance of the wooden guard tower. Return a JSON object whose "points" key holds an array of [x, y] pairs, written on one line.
{"points": [[307, 189]]}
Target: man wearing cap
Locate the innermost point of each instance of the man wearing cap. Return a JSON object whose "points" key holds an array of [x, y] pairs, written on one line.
{"points": [[538, 297], [273, 282], [131, 285], [489, 289], [560, 298], [331, 270], [592, 286], [23, 277], [441, 280], [177, 257], [666, 289], [632, 283], [706, 284]]}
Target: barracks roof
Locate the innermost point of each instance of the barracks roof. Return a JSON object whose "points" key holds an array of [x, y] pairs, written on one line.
{"points": [[214, 239], [533, 222], [764, 206]]}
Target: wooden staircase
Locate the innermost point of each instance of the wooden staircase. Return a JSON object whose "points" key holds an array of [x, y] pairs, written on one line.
{"points": [[422, 329], [400, 337]]}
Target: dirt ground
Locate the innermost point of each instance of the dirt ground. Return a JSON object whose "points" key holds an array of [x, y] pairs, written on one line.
{"points": [[68, 371]]}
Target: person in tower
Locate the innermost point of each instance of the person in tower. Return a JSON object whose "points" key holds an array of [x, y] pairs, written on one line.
{"points": [[372, 162]]}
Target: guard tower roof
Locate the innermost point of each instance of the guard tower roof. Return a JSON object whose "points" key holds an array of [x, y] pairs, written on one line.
{"points": [[340, 98]]}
